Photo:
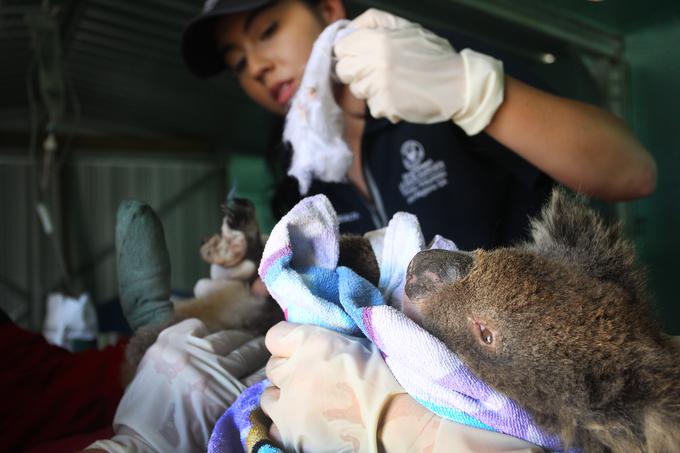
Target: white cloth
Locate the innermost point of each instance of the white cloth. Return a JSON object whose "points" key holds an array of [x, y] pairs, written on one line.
{"points": [[314, 123], [184, 383], [69, 319]]}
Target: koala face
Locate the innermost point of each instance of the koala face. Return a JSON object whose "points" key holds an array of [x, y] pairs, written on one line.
{"points": [[509, 310], [561, 324]]}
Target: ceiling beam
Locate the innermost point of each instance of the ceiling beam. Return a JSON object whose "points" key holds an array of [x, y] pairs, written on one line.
{"points": [[70, 16], [552, 24], [536, 19]]}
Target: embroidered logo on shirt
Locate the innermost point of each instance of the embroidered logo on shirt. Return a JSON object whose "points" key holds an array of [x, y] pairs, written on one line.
{"points": [[422, 177]]}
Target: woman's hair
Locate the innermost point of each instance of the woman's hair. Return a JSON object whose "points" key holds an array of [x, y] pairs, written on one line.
{"points": [[278, 156]]}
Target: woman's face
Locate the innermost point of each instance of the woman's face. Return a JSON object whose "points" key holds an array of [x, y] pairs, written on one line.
{"points": [[268, 48]]}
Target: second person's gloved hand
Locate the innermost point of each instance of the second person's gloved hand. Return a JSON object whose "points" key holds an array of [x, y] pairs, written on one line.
{"points": [[406, 72], [186, 380]]}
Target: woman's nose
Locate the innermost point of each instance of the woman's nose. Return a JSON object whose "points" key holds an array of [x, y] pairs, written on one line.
{"points": [[259, 66]]}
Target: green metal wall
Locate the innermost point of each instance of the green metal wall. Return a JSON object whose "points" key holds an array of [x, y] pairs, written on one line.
{"points": [[252, 179], [654, 57]]}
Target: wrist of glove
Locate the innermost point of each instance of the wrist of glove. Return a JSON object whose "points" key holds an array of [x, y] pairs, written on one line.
{"points": [[409, 427], [406, 72], [329, 390]]}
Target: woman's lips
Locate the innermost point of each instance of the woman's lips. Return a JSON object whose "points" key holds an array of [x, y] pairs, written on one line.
{"points": [[283, 92]]}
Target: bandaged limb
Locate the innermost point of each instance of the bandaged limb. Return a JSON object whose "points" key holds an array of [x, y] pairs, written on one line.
{"points": [[406, 72], [184, 383], [334, 393], [143, 265]]}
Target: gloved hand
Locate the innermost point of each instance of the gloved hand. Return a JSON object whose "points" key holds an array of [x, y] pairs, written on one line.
{"points": [[330, 390], [185, 381], [407, 72]]}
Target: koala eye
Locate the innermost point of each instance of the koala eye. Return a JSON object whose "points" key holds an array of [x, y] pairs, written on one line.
{"points": [[486, 334]]}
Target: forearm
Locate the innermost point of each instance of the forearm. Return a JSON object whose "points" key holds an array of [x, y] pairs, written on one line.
{"points": [[579, 145]]}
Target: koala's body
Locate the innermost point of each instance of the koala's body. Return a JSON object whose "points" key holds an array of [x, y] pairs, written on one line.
{"points": [[226, 301], [562, 325]]}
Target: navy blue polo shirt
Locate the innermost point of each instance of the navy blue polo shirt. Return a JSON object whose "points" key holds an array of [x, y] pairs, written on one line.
{"points": [[472, 190]]}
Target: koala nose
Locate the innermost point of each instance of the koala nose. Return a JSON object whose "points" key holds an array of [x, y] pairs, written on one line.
{"points": [[430, 269]]}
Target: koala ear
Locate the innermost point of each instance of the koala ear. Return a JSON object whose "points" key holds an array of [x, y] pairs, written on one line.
{"points": [[571, 232]]}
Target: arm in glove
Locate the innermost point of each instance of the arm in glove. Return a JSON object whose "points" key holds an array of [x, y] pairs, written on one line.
{"points": [[184, 383], [335, 393], [407, 72]]}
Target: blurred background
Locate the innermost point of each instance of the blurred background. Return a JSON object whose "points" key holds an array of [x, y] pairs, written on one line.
{"points": [[96, 107]]}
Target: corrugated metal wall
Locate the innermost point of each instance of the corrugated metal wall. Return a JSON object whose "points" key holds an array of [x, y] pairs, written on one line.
{"points": [[15, 275], [186, 192]]}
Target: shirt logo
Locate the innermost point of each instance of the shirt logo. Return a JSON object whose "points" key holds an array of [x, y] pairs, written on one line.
{"points": [[412, 154], [422, 177]]}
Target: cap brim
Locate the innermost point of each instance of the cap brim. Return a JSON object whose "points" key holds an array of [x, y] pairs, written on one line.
{"points": [[199, 48]]}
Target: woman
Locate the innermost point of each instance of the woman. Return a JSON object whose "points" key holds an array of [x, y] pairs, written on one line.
{"points": [[493, 180]]}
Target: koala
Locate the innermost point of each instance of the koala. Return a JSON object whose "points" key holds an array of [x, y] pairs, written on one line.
{"points": [[231, 304], [561, 324]]}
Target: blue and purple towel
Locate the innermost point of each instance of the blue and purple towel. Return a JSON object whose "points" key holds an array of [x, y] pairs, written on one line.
{"points": [[299, 268]]}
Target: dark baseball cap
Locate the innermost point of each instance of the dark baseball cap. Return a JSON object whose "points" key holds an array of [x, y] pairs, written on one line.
{"points": [[199, 48]]}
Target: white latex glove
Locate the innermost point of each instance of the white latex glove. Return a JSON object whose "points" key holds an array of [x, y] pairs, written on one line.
{"points": [[330, 389], [407, 72], [185, 381]]}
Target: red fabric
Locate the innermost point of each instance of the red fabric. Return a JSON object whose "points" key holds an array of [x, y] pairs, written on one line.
{"points": [[49, 393], [73, 443]]}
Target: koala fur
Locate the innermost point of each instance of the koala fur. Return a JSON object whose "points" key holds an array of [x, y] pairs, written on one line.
{"points": [[561, 324]]}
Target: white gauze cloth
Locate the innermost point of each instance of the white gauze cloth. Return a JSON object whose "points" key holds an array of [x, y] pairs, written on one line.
{"points": [[314, 123]]}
